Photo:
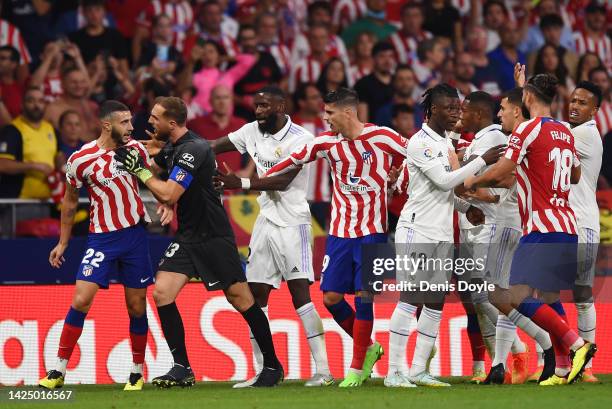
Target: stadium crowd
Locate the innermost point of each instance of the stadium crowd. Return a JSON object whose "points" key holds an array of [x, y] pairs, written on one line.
{"points": [[60, 60]]}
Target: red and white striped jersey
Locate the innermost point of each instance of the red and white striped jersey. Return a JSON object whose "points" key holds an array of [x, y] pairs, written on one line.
{"points": [[335, 48], [406, 46], [319, 182], [305, 70], [600, 46], [347, 11], [359, 171], [604, 118], [10, 35], [180, 13], [113, 193], [281, 54], [544, 151]]}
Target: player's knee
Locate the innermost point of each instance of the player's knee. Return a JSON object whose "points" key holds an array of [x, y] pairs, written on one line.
{"points": [[300, 293], [82, 302], [331, 298], [162, 296], [583, 294], [136, 306]]}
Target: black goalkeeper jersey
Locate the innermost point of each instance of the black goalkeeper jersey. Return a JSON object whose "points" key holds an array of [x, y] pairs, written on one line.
{"points": [[200, 210]]}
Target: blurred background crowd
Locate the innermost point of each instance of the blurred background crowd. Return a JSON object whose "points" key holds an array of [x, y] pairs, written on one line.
{"points": [[60, 59]]}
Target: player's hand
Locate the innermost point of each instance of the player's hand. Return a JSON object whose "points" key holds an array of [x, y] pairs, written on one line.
{"points": [[154, 145], [41, 167], [519, 75], [132, 162], [56, 257], [227, 181], [166, 213], [475, 216], [493, 154], [393, 175]]}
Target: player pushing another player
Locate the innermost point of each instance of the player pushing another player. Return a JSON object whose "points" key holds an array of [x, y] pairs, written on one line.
{"points": [[116, 234]]}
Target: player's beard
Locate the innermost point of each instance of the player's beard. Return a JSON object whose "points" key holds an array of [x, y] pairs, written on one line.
{"points": [[268, 125], [525, 111], [117, 137]]}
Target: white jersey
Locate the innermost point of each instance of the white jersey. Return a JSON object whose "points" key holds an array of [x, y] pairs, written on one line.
{"points": [[429, 210], [587, 141], [484, 139], [283, 208]]}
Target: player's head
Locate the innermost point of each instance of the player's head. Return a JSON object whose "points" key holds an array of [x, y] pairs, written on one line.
{"points": [[510, 112], [269, 105], [34, 104], [584, 103], [340, 108], [477, 111], [169, 114], [540, 90], [116, 120], [441, 106]]}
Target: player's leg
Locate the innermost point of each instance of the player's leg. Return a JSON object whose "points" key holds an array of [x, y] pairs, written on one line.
{"points": [[136, 302], [477, 345], [261, 292]]}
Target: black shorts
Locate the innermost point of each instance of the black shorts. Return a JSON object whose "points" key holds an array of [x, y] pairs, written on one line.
{"points": [[215, 261]]}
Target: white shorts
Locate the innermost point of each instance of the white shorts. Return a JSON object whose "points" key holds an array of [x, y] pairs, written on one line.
{"points": [[588, 244], [277, 253], [499, 259], [417, 246], [475, 245]]}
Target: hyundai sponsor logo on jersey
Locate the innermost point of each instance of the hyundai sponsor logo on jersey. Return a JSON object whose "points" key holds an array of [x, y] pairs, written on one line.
{"points": [[187, 159]]}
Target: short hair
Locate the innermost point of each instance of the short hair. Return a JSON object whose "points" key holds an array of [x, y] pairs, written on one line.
{"points": [[92, 3], [111, 106], [551, 20], [482, 100], [543, 86], [411, 5], [158, 88], [490, 3], [319, 5], [14, 52], [300, 91], [31, 88], [514, 95], [380, 47], [432, 95], [593, 89], [595, 7], [601, 68], [397, 109], [244, 27], [425, 47], [343, 97], [65, 115], [158, 17], [175, 109], [272, 90]]}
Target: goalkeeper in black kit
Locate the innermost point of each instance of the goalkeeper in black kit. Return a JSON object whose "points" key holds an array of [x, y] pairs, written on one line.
{"points": [[204, 245]]}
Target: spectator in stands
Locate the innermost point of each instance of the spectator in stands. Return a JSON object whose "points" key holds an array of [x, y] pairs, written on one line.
{"points": [[308, 103], [334, 75], [406, 40], [204, 73], [551, 28], [102, 88], [600, 77], [443, 20], [75, 85], [495, 16], [267, 35], [308, 69], [72, 20], [160, 59], [464, 71], [264, 72], [550, 61], [431, 56], [94, 39], [587, 62], [374, 22], [57, 56], [179, 11], [346, 12], [28, 150], [152, 88], [405, 92], [593, 36], [403, 120], [208, 27], [218, 123], [10, 35], [11, 90], [375, 89], [70, 131], [504, 58], [362, 56], [550, 19], [229, 25]]}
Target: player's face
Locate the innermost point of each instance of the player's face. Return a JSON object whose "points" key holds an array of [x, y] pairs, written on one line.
{"points": [[508, 115], [582, 106], [267, 110], [469, 117], [336, 117], [161, 126], [447, 111], [121, 127]]}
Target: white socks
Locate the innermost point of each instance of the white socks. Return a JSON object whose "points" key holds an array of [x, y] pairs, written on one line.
{"points": [[313, 327], [258, 362], [518, 346], [540, 352], [399, 330], [61, 365], [487, 318], [587, 318], [136, 368], [531, 329], [428, 327], [505, 335]]}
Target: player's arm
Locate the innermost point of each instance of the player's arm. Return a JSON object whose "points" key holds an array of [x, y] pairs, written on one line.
{"points": [[495, 176], [231, 181], [306, 154], [576, 173], [221, 145], [69, 208]]}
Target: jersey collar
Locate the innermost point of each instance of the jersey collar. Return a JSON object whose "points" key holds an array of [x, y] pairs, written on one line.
{"points": [[492, 127], [587, 123], [280, 135], [431, 133]]}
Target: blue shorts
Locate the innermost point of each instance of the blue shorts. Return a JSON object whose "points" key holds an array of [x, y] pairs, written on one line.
{"points": [[125, 250], [545, 261], [342, 262]]}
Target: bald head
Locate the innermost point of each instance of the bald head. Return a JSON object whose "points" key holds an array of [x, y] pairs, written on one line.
{"points": [[222, 100]]}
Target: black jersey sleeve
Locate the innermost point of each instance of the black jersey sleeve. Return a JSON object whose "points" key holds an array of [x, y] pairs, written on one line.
{"points": [[191, 156]]}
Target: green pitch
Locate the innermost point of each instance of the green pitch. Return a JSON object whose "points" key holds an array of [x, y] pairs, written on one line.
{"points": [[373, 395]]}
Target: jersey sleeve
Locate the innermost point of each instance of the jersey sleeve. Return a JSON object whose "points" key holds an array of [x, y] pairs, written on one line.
{"points": [[491, 140], [307, 153], [188, 159], [72, 176], [239, 138], [421, 155], [11, 144], [391, 142]]}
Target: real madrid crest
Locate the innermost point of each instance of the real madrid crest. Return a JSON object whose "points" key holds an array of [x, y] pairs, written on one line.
{"points": [[278, 152]]}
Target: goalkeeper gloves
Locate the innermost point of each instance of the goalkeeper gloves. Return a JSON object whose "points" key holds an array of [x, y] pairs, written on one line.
{"points": [[132, 162]]}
